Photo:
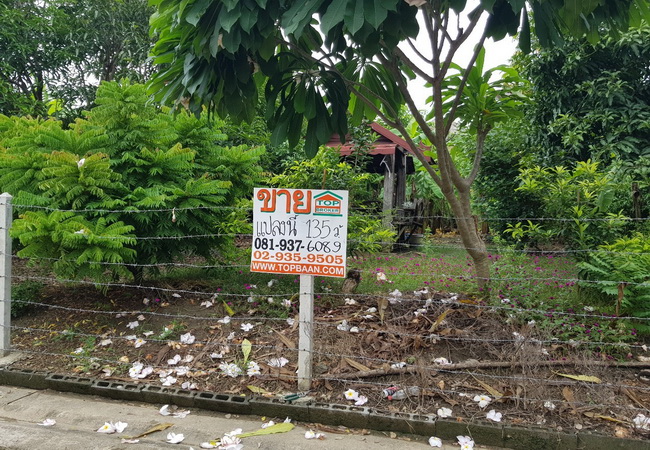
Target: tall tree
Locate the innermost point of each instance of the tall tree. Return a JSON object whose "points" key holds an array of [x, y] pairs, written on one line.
{"points": [[323, 58], [63, 48]]}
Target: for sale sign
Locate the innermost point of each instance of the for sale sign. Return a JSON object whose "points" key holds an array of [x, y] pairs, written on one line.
{"points": [[300, 231]]}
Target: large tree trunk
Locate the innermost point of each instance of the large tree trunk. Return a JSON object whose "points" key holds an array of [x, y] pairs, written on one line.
{"points": [[459, 200]]}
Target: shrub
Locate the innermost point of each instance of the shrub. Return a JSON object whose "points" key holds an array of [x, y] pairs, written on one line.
{"points": [[126, 188], [23, 295]]}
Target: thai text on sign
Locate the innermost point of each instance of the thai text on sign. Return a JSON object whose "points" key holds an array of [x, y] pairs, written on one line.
{"points": [[299, 231]]}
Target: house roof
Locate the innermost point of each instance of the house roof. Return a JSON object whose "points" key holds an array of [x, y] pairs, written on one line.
{"points": [[385, 144]]}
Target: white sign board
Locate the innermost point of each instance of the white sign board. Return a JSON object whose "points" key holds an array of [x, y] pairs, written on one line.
{"points": [[300, 231]]}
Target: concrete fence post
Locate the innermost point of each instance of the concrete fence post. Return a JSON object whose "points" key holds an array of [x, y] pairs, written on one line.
{"points": [[306, 332], [5, 273]]}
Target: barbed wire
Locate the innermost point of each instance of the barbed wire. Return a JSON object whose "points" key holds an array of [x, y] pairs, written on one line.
{"points": [[371, 213]]}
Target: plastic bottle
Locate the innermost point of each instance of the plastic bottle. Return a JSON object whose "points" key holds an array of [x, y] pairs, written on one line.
{"points": [[404, 393], [388, 392]]}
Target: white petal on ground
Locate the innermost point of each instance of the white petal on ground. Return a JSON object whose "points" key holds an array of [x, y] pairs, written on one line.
{"points": [[278, 362], [313, 435], [181, 414], [270, 423], [174, 438], [435, 442], [133, 325], [168, 381], [225, 320], [189, 386], [175, 295], [187, 338], [164, 411], [494, 416], [141, 318], [120, 426], [210, 444], [247, 326], [351, 394], [291, 321], [362, 400], [175, 360], [483, 400], [444, 412], [107, 428], [130, 441], [48, 423]]}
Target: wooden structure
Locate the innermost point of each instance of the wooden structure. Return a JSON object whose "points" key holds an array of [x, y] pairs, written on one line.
{"points": [[392, 157]]}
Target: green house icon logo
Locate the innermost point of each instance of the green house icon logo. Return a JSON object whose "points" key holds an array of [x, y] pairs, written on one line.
{"points": [[328, 204]]}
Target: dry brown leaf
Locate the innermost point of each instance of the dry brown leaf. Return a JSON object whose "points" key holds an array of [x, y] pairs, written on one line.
{"points": [[439, 320], [159, 427], [633, 397], [285, 340], [382, 306], [570, 398], [611, 419], [493, 392], [586, 378], [360, 367]]}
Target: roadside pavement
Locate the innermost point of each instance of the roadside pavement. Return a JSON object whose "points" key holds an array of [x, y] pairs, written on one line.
{"points": [[79, 416]]}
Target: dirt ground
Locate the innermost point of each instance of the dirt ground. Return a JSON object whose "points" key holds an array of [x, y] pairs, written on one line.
{"points": [[79, 330]]}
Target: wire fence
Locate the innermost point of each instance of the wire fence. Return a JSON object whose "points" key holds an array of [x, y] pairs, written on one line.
{"points": [[541, 358]]}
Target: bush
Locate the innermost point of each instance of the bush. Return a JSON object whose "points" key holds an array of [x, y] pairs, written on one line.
{"points": [[23, 295], [128, 190], [621, 268]]}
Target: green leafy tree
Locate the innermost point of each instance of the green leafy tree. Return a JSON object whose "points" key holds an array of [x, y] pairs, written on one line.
{"points": [[591, 101], [53, 53], [321, 59], [125, 189]]}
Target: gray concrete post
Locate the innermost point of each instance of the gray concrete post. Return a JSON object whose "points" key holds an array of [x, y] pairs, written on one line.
{"points": [[5, 273]]}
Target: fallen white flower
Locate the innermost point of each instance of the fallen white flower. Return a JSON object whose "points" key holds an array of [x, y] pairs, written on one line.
{"points": [[147, 333], [225, 320], [168, 381], [270, 423], [291, 321], [362, 400], [78, 351], [442, 361], [216, 355], [107, 428], [286, 303], [270, 300], [207, 303], [247, 326], [354, 329], [313, 435], [381, 276], [133, 325], [494, 416], [164, 411], [105, 342], [182, 370], [351, 394], [181, 414], [175, 360], [187, 338], [175, 295], [141, 318], [398, 365], [641, 421], [253, 369], [278, 362], [483, 400], [48, 423], [549, 405], [465, 442], [230, 442], [209, 444], [174, 438], [435, 442], [444, 412], [350, 301], [139, 342], [343, 326], [120, 426], [189, 386]]}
